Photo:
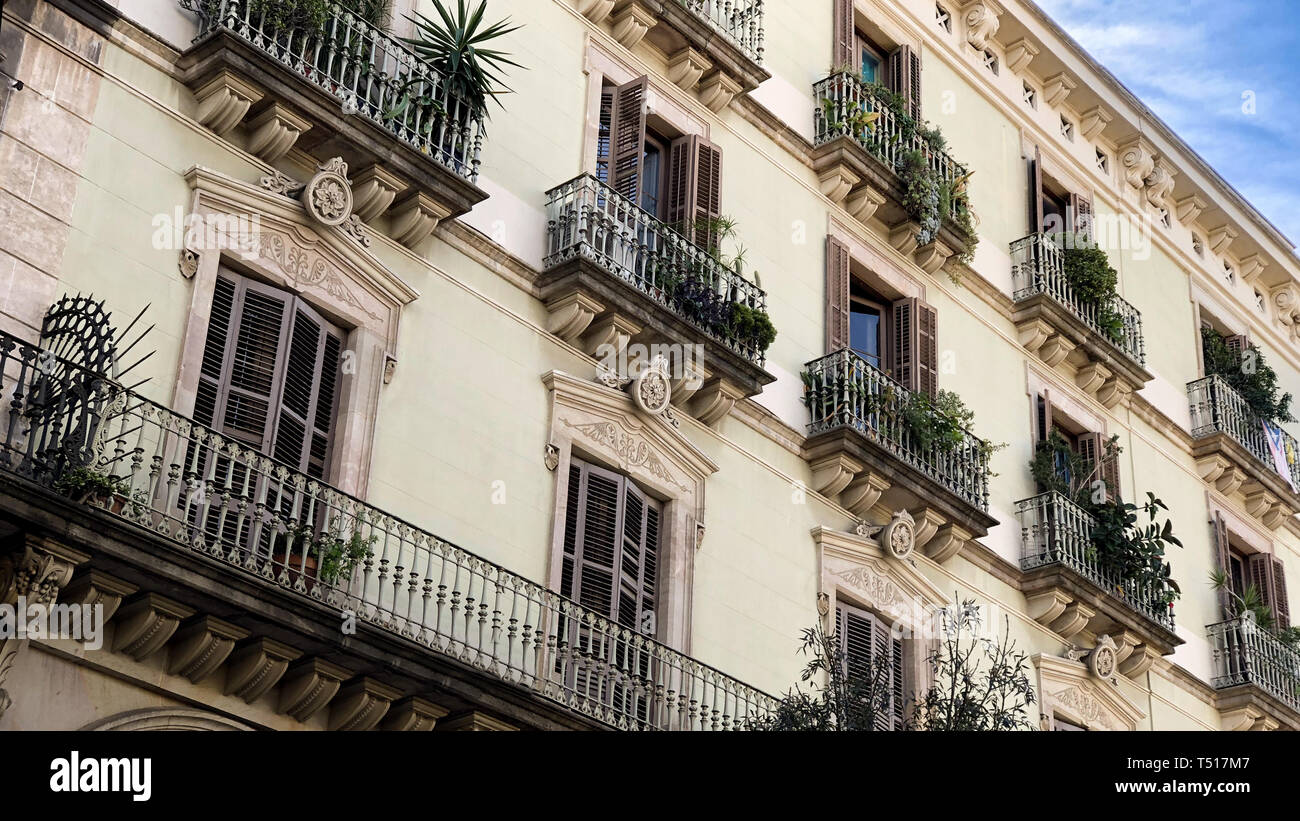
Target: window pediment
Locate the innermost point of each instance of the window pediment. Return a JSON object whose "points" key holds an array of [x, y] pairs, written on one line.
{"points": [[864, 568], [1069, 689]]}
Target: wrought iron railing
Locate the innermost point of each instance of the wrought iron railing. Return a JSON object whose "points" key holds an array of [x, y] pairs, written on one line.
{"points": [[1056, 531], [205, 492], [843, 390], [587, 218], [740, 21], [368, 69], [1038, 267], [1245, 653], [843, 100], [1218, 408]]}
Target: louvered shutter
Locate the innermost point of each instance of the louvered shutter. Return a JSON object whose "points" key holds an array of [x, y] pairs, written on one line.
{"points": [[845, 41], [866, 645], [1281, 609], [1237, 345], [854, 629], [1223, 555], [904, 78], [1259, 572], [1044, 420], [1092, 449], [837, 295], [1081, 210], [695, 189], [637, 561], [627, 138], [1036, 192], [896, 686], [603, 134], [309, 377], [213, 374], [914, 352]]}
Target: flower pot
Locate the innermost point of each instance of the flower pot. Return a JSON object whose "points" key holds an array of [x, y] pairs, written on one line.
{"points": [[296, 564]]}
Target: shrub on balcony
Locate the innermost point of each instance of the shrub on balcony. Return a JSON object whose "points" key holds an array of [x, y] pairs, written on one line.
{"points": [[1093, 281], [1249, 375], [457, 46], [1251, 601], [1119, 541]]}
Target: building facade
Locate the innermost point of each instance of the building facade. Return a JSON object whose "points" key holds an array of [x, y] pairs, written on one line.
{"points": [[453, 418]]}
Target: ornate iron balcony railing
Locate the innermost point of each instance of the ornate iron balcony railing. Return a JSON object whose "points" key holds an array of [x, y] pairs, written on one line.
{"points": [[587, 218], [1038, 267], [367, 68], [1218, 408], [843, 390], [1245, 653], [1056, 531], [843, 98], [740, 21], [181, 481]]}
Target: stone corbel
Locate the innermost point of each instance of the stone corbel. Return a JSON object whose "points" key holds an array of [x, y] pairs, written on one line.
{"points": [[1057, 87], [361, 704], [833, 474], [308, 687], [145, 623], [1019, 54], [981, 18], [1259, 501], [1047, 606], [1249, 268], [414, 714], [1189, 208], [611, 330], [927, 522], [631, 22], [1213, 466], [571, 314], [715, 401], [274, 131], [1138, 159], [415, 216], [595, 10], [1241, 719], [1138, 662], [1034, 333], [1073, 619], [862, 493], [224, 100], [1276, 516], [686, 67], [863, 202], [201, 646], [1055, 350], [837, 181], [717, 90], [95, 588], [1230, 481], [1094, 121], [932, 257], [1286, 298], [904, 236], [947, 542], [1091, 377], [691, 377], [255, 666], [1160, 182], [1220, 239], [1113, 392], [373, 191]]}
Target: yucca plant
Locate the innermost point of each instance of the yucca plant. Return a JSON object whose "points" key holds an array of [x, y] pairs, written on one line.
{"points": [[456, 44]]}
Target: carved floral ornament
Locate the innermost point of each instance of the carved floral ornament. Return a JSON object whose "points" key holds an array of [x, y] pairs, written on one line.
{"points": [[651, 388], [1103, 661], [898, 538], [327, 197]]}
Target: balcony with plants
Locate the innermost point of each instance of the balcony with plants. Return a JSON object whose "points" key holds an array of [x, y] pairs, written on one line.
{"points": [[1067, 311], [326, 77], [1256, 664], [872, 441], [1238, 442], [878, 161], [614, 274], [166, 504], [1094, 565], [714, 47]]}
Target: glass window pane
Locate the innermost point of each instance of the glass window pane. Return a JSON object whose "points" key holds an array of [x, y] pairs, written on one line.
{"points": [[870, 67], [864, 332]]}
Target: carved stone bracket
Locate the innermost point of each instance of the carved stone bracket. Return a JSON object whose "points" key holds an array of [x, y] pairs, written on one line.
{"points": [[1220, 238], [145, 623], [1189, 208], [904, 236], [361, 704], [1057, 87], [373, 191], [686, 67], [571, 314], [715, 400], [981, 18], [224, 100], [309, 685], [631, 22], [414, 217], [274, 131], [595, 10], [1137, 157], [837, 181], [1019, 54], [414, 714], [863, 490], [200, 647], [94, 588], [1160, 182], [863, 202], [717, 90], [1094, 121], [1249, 268], [932, 257], [257, 665]]}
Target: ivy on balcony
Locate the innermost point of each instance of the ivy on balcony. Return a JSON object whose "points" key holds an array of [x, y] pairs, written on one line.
{"points": [[1246, 372]]}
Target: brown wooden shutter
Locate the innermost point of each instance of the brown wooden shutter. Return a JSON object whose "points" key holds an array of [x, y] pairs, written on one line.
{"points": [[1044, 420], [845, 37], [695, 189], [1237, 345], [213, 373], [604, 132], [1036, 192], [903, 76], [837, 295], [1092, 447], [305, 415], [1223, 555], [1281, 609], [241, 402], [866, 643], [896, 690], [627, 138], [1259, 572], [914, 349], [1081, 210]]}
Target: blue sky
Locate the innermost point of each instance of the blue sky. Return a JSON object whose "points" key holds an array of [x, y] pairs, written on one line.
{"points": [[1190, 62]]}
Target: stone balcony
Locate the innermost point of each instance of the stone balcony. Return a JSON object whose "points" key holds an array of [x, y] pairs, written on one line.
{"points": [[615, 275], [1071, 593], [1232, 452], [347, 90], [214, 561], [1257, 676], [858, 165], [714, 47], [862, 451], [1100, 347]]}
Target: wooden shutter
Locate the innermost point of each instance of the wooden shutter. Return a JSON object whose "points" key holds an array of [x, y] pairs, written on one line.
{"points": [[1223, 555], [695, 189], [1081, 209], [1281, 610], [1036, 192], [1092, 447], [1259, 572], [305, 416], [837, 295], [627, 138], [1237, 345], [903, 76], [865, 642], [603, 134], [611, 545], [896, 685], [914, 349], [845, 39], [1044, 420]]}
